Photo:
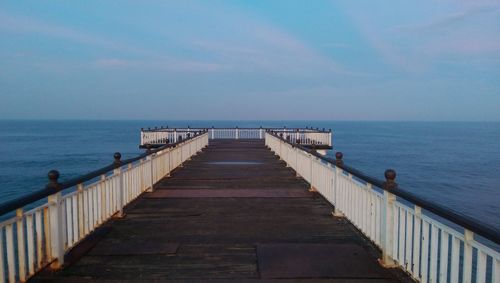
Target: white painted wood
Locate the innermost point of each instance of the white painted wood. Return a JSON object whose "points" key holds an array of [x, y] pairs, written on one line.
{"points": [[444, 263], [433, 271], [21, 250], [388, 220], [424, 260], [11, 263], [56, 228], [481, 267], [39, 239], [455, 256], [409, 240], [30, 243], [416, 246], [467, 265], [2, 262]]}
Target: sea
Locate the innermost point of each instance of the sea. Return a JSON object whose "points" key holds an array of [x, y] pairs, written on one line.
{"points": [[454, 164]]}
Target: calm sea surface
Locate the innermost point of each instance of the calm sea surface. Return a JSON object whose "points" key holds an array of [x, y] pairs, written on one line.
{"points": [[452, 163]]}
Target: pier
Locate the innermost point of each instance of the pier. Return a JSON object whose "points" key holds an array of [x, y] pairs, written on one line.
{"points": [[245, 205]]}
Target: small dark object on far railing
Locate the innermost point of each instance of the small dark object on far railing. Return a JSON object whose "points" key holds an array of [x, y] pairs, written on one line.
{"points": [[117, 156], [180, 138], [338, 158], [53, 176], [281, 135], [188, 135], [288, 138], [390, 176], [148, 148], [167, 141]]}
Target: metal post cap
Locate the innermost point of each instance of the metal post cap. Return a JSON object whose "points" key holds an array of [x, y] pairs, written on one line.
{"points": [[339, 155], [390, 175], [53, 175], [117, 156], [53, 183]]}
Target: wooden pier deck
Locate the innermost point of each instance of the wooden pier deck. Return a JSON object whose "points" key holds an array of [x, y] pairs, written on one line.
{"points": [[233, 213]]}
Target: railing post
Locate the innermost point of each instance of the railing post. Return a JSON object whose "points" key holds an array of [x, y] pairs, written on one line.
{"points": [[338, 162], [120, 194], [56, 221], [260, 132], [237, 132], [213, 132], [311, 157], [150, 158], [175, 135], [388, 215]]}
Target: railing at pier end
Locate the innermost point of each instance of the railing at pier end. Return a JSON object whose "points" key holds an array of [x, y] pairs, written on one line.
{"points": [[50, 222], [428, 241], [320, 138]]}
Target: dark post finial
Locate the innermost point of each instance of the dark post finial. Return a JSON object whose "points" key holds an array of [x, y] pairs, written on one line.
{"points": [[390, 177], [53, 176], [330, 130], [261, 127], [117, 156], [324, 130], [142, 129], [149, 128], [338, 158]]}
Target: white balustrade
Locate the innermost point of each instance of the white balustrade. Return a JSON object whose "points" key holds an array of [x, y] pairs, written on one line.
{"points": [[303, 136], [40, 236], [427, 248]]}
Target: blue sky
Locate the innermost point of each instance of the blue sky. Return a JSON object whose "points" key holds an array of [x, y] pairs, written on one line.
{"points": [[250, 60]]}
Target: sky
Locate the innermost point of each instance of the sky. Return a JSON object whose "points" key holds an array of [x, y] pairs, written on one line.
{"points": [[250, 60]]}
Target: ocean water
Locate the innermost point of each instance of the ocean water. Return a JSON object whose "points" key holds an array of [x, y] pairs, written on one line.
{"points": [[455, 164]]}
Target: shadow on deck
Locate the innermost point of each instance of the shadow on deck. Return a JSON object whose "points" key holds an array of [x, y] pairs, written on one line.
{"points": [[233, 213]]}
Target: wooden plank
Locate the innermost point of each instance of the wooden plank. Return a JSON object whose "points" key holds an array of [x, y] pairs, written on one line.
{"points": [[234, 193], [316, 261]]}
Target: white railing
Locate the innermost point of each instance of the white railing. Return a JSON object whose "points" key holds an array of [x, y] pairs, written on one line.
{"points": [[34, 238], [303, 136], [409, 236]]}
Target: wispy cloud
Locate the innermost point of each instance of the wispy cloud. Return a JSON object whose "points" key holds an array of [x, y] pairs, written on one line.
{"points": [[170, 65], [464, 30], [18, 24]]}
